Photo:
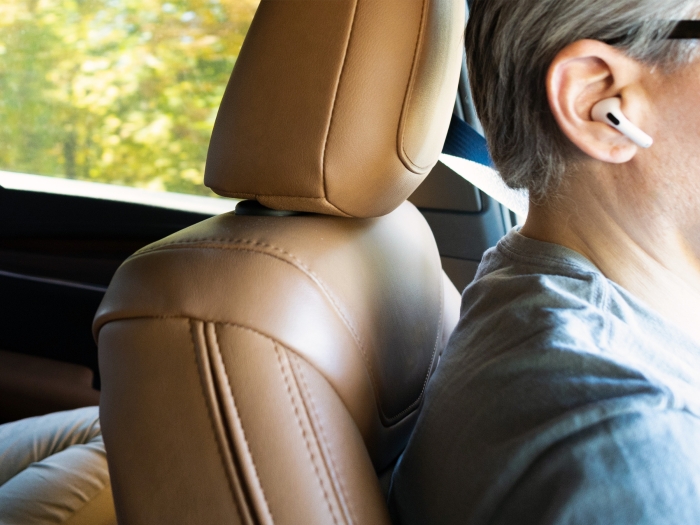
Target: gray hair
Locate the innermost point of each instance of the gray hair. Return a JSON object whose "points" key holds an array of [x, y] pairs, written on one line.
{"points": [[510, 46]]}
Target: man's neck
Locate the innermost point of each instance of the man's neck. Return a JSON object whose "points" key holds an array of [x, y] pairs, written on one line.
{"points": [[664, 274]]}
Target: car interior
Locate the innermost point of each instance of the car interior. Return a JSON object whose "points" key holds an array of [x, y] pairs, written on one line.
{"points": [[262, 357]]}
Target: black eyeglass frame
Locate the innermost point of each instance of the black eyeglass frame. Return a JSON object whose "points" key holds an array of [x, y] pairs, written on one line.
{"points": [[686, 30]]}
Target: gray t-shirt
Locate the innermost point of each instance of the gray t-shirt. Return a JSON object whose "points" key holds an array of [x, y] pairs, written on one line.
{"points": [[561, 398]]}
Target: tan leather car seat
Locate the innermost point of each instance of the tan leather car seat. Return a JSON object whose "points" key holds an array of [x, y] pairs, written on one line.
{"points": [[262, 366]]}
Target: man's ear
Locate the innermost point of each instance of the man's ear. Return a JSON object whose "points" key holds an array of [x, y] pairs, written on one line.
{"points": [[583, 74]]}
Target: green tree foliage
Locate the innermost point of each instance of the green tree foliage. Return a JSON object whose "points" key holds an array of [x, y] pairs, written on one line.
{"points": [[118, 91]]}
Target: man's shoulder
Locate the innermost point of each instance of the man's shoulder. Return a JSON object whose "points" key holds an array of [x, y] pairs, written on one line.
{"points": [[525, 298], [513, 427], [535, 272], [535, 348], [527, 369], [635, 466]]}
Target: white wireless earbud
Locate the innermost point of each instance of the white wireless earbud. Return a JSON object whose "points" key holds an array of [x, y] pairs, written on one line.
{"points": [[609, 112]]}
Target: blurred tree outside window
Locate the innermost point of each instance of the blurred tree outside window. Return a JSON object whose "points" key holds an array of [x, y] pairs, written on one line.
{"points": [[117, 91]]}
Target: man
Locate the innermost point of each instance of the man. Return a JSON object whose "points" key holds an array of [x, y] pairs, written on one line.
{"points": [[570, 390]]}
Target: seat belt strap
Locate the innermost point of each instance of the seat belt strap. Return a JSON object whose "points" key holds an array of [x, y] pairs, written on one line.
{"points": [[465, 142], [467, 154]]}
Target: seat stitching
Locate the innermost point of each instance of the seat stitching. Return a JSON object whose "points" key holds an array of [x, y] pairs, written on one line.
{"points": [[304, 434], [245, 440], [300, 266], [233, 325], [211, 422], [335, 100], [325, 440], [391, 420]]}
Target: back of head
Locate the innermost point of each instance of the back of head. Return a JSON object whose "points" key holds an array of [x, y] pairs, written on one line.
{"points": [[510, 46]]}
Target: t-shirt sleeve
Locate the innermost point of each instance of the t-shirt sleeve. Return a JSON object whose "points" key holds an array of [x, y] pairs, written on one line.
{"points": [[639, 468]]}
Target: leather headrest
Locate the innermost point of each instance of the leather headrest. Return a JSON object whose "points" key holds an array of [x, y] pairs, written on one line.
{"points": [[338, 107]]}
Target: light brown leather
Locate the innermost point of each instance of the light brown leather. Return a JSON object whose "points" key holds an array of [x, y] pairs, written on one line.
{"points": [[338, 107], [263, 369]]}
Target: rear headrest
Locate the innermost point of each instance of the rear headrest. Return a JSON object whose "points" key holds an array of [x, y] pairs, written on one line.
{"points": [[338, 107]]}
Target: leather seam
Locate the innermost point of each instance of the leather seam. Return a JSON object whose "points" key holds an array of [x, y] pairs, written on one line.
{"points": [[395, 420], [211, 419], [232, 325], [314, 277], [295, 263], [335, 99], [245, 440], [317, 419], [312, 456], [414, 168]]}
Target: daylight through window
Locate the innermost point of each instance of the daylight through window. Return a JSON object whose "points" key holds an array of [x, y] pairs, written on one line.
{"points": [[117, 91]]}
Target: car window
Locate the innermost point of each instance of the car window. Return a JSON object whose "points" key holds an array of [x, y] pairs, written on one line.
{"points": [[116, 91]]}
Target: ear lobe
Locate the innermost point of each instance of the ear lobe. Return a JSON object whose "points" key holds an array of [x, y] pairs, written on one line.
{"points": [[582, 75]]}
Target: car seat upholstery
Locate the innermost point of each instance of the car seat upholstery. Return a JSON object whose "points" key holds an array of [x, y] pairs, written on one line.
{"points": [[265, 366]]}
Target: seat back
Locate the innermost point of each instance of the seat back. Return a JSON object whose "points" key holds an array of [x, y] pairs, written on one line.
{"points": [[264, 367]]}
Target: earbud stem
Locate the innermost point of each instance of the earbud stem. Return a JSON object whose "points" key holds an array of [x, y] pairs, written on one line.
{"points": [[609, 111]]}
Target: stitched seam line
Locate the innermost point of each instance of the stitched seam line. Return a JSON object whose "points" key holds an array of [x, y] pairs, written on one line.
{"points": [[314, 412], [304, 434], [411, 85], [233, 402], [252, 330], [233, 325], [298, 264], [295, 262], [335, 99], [305, 269], [211, 422]]}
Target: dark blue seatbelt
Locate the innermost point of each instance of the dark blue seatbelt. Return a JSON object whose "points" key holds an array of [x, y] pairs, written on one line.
{"points": [[465, 142]]}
